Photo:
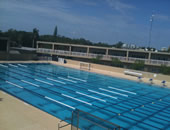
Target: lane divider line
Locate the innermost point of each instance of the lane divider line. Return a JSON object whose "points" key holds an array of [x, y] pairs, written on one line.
{"points": [[91, 96], [56, 81], [13, 65], [30, 83], [77, 99], [22, 65], [13, 84], [113, 92], [76, 78], [67, 79], [3, 65], [60, 102], [122, 90], [44, 82], [102, 94]]}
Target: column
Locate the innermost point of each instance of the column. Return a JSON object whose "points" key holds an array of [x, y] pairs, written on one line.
{"points": [[88, 51], [37, 45], [52, 50], [127, 55], [70, 49], [107, 52], [8, 46], [149, 57]]}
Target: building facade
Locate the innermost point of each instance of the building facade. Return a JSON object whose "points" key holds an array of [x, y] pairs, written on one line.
{"points": [[107, 54]]}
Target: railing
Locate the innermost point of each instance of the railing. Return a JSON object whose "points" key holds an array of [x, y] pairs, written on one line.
{"points": [[138, 59], [121, 58], [79, 53], [105, 57], [63, 124], [82, 120], [158, 62]]}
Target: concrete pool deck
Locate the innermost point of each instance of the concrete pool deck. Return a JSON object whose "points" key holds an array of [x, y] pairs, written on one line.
{"points": [[119, 72], [16, 115]]}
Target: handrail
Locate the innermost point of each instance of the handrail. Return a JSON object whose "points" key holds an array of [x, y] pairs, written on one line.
{"points": [[78, 113], [62, 126], [92, 55]]}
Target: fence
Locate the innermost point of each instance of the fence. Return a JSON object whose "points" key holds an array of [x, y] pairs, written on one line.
{"points": [[104, 57], [63, 124], [86, 121]]}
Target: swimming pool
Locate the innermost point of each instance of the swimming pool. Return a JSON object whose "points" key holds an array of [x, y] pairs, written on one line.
{"points": [[59, 90]]}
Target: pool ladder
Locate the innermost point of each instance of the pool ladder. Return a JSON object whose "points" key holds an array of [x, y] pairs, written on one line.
{"points": [[63, 123]]}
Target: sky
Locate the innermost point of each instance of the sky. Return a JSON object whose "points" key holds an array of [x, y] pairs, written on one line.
{"points": [[107, 21]]}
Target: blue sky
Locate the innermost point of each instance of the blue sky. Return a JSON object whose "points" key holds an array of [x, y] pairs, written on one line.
{"points": [[107, 21]]}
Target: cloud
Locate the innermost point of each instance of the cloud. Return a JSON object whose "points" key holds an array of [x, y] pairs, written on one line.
{"points": [[119, 6]]}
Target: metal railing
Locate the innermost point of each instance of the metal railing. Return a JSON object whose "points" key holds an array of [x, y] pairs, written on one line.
{"points": [[138, 59], [104, 57], [86, 121], [160, 62], [121, 58], [78, 53], [63, 124]]}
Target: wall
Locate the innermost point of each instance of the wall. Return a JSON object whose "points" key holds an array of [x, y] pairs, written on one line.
{"points": [[5, 56]]}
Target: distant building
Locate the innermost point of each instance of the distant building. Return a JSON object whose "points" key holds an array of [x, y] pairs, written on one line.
{"points": [[128, 46], [164, 49], [132, 46], [125, 45]]}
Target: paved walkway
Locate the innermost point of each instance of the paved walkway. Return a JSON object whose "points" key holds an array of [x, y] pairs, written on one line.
{"points": [[16, 115]]}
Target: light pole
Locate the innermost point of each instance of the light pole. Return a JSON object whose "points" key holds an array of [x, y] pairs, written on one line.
{"points": [[150, 30]]}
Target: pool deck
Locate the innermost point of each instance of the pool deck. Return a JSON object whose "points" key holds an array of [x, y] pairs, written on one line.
{"points": [[16, 115], [118, 74]]}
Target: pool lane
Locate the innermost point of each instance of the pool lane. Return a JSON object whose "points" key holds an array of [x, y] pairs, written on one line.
{"points": [[142, 108]]}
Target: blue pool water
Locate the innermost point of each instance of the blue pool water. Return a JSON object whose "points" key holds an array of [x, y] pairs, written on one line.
{"points": [[59, 90]]}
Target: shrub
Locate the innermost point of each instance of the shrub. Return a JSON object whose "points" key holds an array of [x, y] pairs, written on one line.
{"points": [[138, 65], [116, 62], [165, 70], [97, 59]]}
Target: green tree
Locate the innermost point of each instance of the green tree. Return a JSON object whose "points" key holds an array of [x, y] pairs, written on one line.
{"points": [[55, 31], [119, 44], [169, 49]]}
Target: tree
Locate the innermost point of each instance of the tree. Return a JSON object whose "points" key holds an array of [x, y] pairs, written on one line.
{"points": [[119, 44], [55, 31], [35, 36], [169, 49]]}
